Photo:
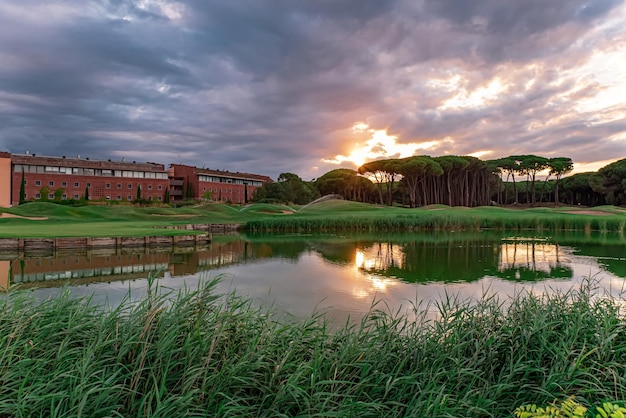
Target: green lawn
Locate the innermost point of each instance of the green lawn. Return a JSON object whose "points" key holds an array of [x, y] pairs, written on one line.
{"points": [[65, 221]]}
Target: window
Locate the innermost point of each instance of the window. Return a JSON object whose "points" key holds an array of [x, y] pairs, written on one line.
{"points": [[108, 197], [64, 183], [119, 197], [37, 182], [75, 197], [88, 184], [51, 196], [129, 197], [37, 196], [108, 185], [76, 184], [50, 183], [159, 198], [149, 187], [119, 185], [130, 186], [64, 197], [159, 187]]}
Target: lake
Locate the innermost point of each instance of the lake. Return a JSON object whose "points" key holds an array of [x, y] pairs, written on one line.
{"points": [[340, 274]]}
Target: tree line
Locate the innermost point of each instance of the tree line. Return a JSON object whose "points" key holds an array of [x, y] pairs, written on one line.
{"points": [[458, 181]]}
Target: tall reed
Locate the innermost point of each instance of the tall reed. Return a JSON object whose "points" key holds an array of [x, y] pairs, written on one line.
{"points": [[425, 221], [195, 353]]}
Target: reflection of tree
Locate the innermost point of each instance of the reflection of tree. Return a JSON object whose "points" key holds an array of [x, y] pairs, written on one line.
{"points": [[451, 261], [531, 260]]}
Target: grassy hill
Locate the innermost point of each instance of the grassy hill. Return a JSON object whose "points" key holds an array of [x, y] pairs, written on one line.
{"points": [[44, 219]]}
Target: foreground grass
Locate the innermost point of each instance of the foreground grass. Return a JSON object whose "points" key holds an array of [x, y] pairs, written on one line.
{"points": [[42, 219], [197, 354]]}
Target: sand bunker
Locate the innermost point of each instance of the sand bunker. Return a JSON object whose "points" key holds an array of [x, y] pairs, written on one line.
{"points": [[587, 212], [30, 218]]}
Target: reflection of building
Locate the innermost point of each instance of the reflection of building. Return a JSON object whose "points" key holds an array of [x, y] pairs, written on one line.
{"points": [[64, 178], [5, 268], [108, 264]]}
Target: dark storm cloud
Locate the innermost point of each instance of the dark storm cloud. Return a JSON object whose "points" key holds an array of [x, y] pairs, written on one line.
{"points": [[271, 86]]}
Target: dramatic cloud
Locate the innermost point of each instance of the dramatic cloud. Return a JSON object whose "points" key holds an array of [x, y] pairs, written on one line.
{"points": [[271, 86]]}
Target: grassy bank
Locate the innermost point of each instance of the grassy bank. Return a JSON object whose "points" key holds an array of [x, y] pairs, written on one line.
{"points": [[49, 220], [196, 354]]}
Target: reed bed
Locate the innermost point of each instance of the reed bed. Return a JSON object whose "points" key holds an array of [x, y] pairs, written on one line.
{"points": [[433, 221], [195, 353]]}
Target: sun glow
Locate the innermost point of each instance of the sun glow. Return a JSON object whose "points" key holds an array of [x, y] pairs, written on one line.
{"points": [[379, 145]]}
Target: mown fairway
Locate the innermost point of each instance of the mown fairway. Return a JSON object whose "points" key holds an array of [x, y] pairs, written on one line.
{"points": [[51, 220]]}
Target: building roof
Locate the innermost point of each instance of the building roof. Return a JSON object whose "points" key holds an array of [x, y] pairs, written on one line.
{"points": [[34, 159], [229, 174]]}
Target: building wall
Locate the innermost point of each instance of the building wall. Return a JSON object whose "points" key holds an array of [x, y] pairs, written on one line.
{"points": [[120, 181], [110, 180], [224, 186], [5, 180], [107, 188]]}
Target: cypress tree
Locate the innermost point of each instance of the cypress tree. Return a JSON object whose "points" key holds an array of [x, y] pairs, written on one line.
{"points": [[86, 193], [22, 189]]}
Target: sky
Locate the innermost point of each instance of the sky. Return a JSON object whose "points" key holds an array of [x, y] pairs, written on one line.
{"points": [[273, 86]]}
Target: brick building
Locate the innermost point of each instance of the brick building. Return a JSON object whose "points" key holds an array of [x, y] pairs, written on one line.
{"points": [[188, 182], [71, 178]]}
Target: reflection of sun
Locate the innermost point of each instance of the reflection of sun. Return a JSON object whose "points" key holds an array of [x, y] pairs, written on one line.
{"points": [[379, 145], [371, 260]]}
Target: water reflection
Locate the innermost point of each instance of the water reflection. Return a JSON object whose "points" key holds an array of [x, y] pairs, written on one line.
{"points": [[299, 273]]}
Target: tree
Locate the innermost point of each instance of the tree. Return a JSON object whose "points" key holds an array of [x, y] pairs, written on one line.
{"points": [[583, 189], [559, 166], [531, 165], [166, 196], [86, 196], [384, 172], [22, 189], [453, 167], [510, 166], [295, 190], [138, 193], [414, 171], [58, 194], [207, 196], [341, 181], [44, 192], [614, 182]]}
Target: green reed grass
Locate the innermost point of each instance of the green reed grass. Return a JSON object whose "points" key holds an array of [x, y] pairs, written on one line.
{"points": [[195, 353], [435, 221]]}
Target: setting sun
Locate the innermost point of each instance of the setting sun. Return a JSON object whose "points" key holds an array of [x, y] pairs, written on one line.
{"points": [[379, 145]]}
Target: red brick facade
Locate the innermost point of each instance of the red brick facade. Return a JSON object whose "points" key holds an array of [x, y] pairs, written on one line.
{"points": [[187, 182], [70, 178]]}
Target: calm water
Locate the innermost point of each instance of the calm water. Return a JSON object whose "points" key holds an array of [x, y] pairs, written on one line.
{"points": [[340, 274]]}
